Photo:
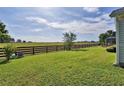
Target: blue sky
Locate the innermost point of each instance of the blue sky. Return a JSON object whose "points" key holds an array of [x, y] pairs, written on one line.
{"points": [[45, 24]]}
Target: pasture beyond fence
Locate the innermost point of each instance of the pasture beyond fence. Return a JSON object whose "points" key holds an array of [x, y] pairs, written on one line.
{"points": [[31, 50]]}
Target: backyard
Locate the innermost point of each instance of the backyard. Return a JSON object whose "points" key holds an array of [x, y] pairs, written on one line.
{"points": [[86, 66]]}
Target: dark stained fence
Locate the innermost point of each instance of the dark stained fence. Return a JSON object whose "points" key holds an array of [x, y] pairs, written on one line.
{"points": [[1, 52], [45, 49], [40, 49], [25, 50]]}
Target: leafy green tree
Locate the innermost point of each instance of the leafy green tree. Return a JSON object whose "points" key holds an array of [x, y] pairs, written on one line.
{"points": [[104, 36], [68, 40], [4, 37]]}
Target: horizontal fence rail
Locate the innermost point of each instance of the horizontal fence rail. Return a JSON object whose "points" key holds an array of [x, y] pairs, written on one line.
{"points": [[31, 50]]}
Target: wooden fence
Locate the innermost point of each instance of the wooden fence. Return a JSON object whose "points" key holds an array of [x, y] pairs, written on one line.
{"points": [[45, 49]]}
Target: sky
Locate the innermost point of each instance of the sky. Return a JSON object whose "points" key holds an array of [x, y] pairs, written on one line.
{"points": [[47, 24]]}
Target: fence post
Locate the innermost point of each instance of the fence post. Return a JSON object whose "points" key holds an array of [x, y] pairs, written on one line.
{"points": [[56, 48], [46, 49], [33, 52]]}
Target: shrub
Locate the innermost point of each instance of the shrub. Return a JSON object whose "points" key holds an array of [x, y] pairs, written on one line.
{"points": [[111, 49], [9, 50]]}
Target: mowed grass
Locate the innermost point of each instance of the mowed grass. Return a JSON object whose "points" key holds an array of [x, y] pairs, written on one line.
{"points": [[37, 44], [88, 66]]}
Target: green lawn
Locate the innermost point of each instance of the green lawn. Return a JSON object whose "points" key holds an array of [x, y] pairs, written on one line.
{"points": [[89, 66], [37, 44]]}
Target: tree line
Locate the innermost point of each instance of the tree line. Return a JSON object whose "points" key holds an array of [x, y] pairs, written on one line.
{"points": [[5, 37]]}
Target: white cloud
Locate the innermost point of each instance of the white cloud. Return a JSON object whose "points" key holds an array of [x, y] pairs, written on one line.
{"points": [[37, 30], [95, 25], [91, 9], [38, 20], [106, 17], [99, 18]]}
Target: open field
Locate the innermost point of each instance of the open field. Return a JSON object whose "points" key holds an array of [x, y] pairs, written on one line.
{"points": [[87, 66], [31, 44], [35, 44]]}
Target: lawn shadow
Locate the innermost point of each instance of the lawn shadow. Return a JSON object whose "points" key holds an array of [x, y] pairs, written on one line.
{"points": [[3, 61]]}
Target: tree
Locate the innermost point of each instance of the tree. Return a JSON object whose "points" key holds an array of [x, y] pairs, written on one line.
{"points": [[4, 37], [104, 36], [24, 41], [114, 34], [19, 40], [12, 40], [68, 40], [109, 32]]}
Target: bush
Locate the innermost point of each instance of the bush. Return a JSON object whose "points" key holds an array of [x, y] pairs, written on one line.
{"points": [[9, 50], [111, 49]]}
